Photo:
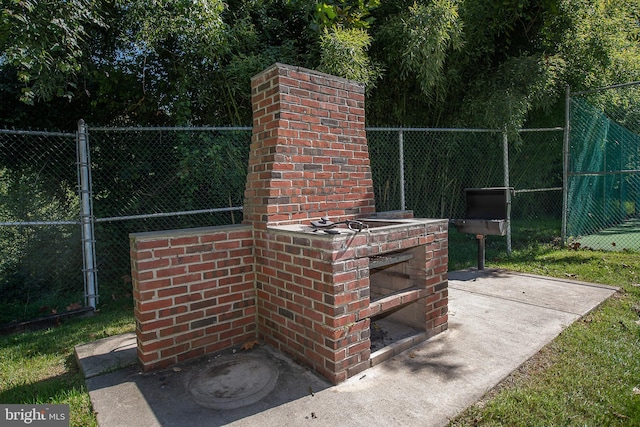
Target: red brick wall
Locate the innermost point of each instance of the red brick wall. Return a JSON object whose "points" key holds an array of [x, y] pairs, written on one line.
{"points": [[308, 159], [314, 296], [194, 292], [309, 155], [307, 302]]}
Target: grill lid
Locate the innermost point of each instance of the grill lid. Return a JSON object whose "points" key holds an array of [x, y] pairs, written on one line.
{"points": [[488, 203]]}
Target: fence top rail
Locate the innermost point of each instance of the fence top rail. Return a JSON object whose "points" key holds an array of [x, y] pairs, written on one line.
{"points": [[557, 128], [248, 128], [36, 133], [599, 89], [168, 128], [397, 129]]}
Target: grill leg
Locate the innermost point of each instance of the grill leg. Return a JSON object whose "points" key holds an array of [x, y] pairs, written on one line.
{"points": [[480, 238]]}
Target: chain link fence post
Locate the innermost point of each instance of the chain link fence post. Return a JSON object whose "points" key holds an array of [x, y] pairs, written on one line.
{"points": [[505, 154], [403, 204], [86, 217], [565, 163]]}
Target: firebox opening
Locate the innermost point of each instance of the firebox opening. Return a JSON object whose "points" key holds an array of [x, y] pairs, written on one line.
{"points": [[396, 272], [385, 331], [398, 286]]}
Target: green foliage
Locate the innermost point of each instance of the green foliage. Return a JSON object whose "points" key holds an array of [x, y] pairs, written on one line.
{"points": [[436, 63], [503, 75], [196, 26], [412, 43], [344, 54], [506, 97], [256, 39], [338, 13], [599, 41], [428, 33], [171, 43], [194, 60], [44, 42], [211, 167]]}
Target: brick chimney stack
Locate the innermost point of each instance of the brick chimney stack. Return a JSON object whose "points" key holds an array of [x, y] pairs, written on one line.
{"points": [[309, 155]]}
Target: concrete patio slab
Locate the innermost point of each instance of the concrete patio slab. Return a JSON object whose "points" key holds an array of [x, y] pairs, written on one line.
{"points": [[107, 354], [497, 321]]}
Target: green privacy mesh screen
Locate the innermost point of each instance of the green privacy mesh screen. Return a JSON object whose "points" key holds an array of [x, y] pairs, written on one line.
{"points": [[603, 209]]}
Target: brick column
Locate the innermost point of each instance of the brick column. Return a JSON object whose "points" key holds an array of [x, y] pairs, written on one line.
{"points": [[309, 155]]}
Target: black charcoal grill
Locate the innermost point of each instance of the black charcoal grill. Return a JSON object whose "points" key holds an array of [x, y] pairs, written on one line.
{"points": [[487, 214]]}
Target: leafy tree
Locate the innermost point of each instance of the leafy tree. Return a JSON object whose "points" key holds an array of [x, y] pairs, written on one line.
{"points": [[337, 13], [344, 53], [412, 43], [474, 63], [599, 41], [42, 41]]}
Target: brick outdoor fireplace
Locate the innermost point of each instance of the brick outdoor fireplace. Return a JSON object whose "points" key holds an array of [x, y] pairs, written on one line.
{"points": [[310, 292]]}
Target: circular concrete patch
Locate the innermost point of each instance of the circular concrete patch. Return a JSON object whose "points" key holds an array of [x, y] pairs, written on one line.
{"points": [[232, 382]]}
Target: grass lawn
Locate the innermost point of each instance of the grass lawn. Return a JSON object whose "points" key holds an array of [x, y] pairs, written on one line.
{"points": [[589, 375], [39, 367]]}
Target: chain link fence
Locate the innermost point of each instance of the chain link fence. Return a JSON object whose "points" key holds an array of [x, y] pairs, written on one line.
{"points": [[40, 242], [603, 175], [433, 167], [147, 179], [427, 170]]}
